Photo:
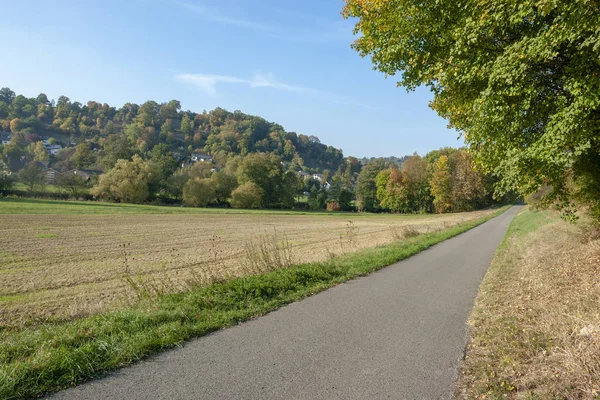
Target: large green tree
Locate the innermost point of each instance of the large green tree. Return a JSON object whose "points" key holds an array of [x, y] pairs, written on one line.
{"points": [[468, 186], [224, 184], [164, 165], [366, 186], [248, 195], [414, 172], [520, 80], [392, 191], [6, 181], [441, 185], [32, 176], [6, 95], [71, 183], [38, 152], [199, 192], [266, 171], [15, 148], [128, 181], [83, 156]]}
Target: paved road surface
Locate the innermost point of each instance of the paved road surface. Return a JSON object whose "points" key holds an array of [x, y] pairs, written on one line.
{"points": [[399, 333]]}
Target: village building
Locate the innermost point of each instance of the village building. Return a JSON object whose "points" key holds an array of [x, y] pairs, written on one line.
{"points": [[85, 174], [52, 148], [5, 137], [201, 157]]}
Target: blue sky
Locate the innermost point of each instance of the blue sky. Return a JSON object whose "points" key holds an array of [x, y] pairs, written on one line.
{"points": [[287, 61]]}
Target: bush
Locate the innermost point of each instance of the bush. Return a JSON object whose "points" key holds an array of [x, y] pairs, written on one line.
{"points": [[26, 194], [301, 206], [199, 192], [6, 181], [126, 182], [249, 195], [333, 206]]}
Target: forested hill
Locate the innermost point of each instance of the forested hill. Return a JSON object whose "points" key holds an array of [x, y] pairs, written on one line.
{"points": [[135, 128], [158, 153]]}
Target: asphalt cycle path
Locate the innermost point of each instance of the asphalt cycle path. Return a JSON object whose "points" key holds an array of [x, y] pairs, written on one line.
{"points": [[399, 333]]}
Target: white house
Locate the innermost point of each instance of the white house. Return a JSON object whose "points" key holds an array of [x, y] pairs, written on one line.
{"points": [[5, 138], [85, 174], [201, 157], [53, 148]]}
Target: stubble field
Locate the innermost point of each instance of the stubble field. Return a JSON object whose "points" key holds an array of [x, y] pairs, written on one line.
{"points": [[59, 261]]}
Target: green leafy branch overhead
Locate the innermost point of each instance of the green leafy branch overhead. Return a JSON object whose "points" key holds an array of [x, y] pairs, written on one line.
{"points": [[519, 79]]}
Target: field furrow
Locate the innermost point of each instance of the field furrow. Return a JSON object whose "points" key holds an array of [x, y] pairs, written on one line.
{"points": [[68, 265]]}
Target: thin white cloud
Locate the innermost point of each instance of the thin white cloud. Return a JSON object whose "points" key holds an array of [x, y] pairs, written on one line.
{"points": [[311, 29], [214, 15], [208, 83], [243, 23], [268, 80]]}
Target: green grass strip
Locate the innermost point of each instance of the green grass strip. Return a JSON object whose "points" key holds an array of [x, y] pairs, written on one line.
{"points": [[57, 356], [12, 206]]}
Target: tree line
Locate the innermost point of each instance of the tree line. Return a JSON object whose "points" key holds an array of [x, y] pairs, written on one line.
{"points": [[139, 155], [444, 180]]}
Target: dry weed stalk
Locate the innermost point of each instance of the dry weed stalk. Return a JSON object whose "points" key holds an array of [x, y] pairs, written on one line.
{"points": [[148, 286], [351, 233], [409, 231], [404, 232], [268, 253]]}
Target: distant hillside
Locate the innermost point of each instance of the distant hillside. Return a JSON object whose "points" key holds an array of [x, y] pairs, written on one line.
{"points": [[158, 153], [394, 160], [219, 132]]}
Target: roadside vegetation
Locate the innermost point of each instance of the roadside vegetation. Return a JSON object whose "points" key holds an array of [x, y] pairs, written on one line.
{"points": [[535, 329], [48, 357]]}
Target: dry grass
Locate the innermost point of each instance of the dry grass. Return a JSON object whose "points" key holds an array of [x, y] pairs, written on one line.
{"points": [[67, 266], [536, 325]]}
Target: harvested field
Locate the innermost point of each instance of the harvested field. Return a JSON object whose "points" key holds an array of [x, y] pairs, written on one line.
{"points": [[62, 266]]}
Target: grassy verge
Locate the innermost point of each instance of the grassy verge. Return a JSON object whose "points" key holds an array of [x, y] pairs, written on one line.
{"points": [[56, 356], [11, 205], [47, 188], [535, 328]]}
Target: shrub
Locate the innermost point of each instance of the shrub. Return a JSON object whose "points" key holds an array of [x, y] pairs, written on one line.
{"points": [[249, 195], [6, 181], [333, 206], [126, 182], [301, 206], [199, 192], [26, 194]]}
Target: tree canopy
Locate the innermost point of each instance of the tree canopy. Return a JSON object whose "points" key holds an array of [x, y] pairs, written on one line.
{"points": [[143, 153], [520, 80], [119, 133]]}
